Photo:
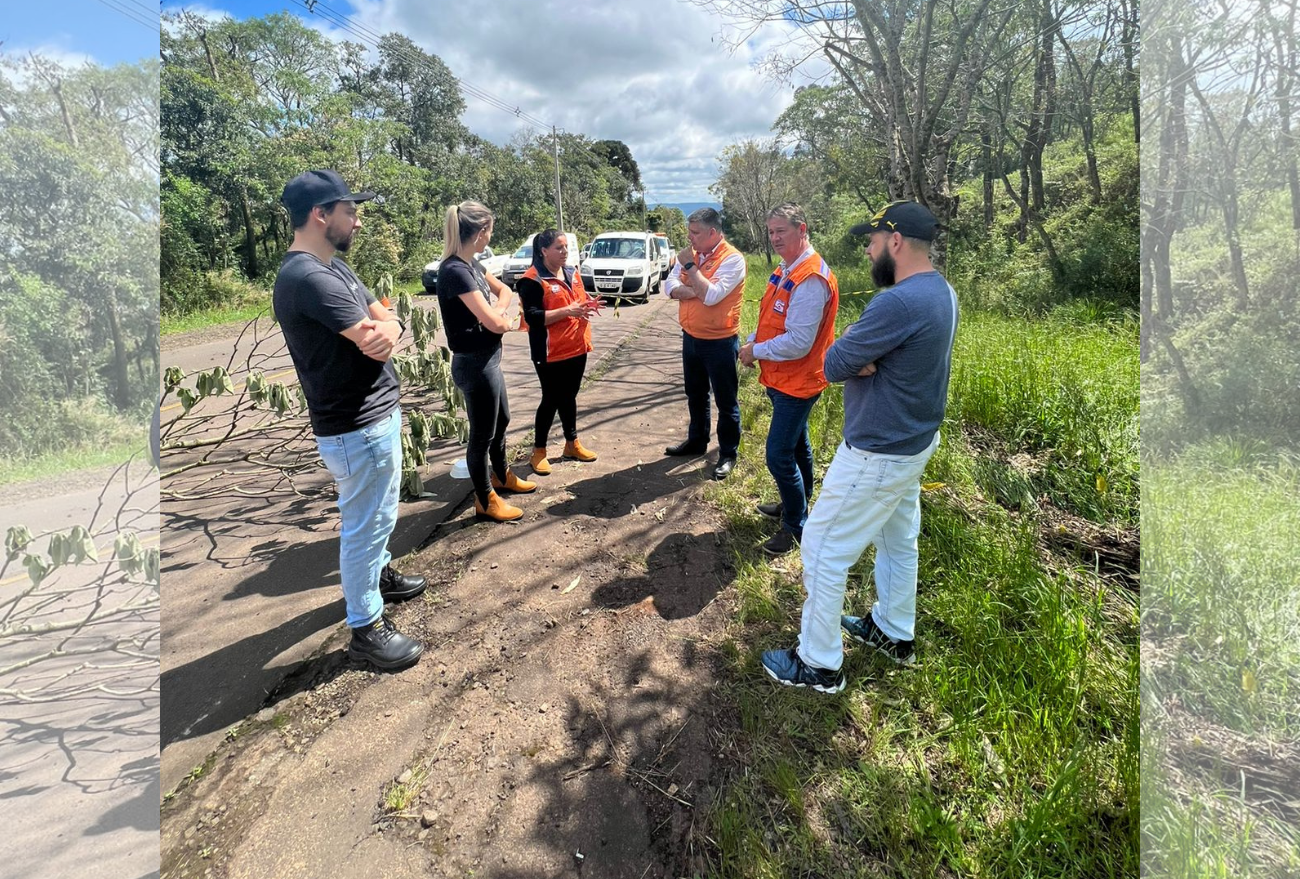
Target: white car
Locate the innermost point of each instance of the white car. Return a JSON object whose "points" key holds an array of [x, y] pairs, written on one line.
{"points": [[521, 259], [666, 254], [622, 265], [493, 264]]}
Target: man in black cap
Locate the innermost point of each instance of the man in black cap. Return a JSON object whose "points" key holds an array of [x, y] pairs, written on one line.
{"points": [[895, 362], [341, 341]]}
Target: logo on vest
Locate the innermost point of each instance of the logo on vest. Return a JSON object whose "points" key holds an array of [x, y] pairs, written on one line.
{"points": [[555, 288], [779, 306]]}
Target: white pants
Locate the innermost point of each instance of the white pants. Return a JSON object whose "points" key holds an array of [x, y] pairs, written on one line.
{"points": [[865, 498]]}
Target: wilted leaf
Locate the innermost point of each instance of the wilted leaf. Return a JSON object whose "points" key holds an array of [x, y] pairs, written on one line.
{"points": [[933, 486], [153, 566], [37, 569], [1101, 483], [1248, 682], [16, 540], [59, 550], [573, 584], [83, 544]]}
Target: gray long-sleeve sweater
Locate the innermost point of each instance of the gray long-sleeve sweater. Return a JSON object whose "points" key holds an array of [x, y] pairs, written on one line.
{"points": [[906, 330]]}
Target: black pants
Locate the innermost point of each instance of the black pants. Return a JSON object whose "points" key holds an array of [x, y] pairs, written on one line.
{"points": [[560, 382], [711, 363], [479, 378]]}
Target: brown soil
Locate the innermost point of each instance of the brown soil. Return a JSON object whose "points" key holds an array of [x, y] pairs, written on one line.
{"points": [[561, 721]]}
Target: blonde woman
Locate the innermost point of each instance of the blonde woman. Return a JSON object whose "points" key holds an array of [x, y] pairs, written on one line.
{"points": [[474, 305]]}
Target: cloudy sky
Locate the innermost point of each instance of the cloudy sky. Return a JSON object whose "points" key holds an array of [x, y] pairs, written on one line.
{"points": [[659, 75]]}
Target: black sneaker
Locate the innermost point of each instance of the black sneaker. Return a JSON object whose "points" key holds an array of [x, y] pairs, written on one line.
{"points": [[383, 646], [771, 511], [786, 668], [399, 587], [780, 543], [864, 630]]}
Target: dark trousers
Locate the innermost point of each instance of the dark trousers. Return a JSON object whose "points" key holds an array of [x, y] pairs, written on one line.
{"points": [[790, 457], [711, 364], [560, 381], [478, 376]]}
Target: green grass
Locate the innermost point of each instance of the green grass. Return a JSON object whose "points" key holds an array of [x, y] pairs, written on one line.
{"points": [[1012, 750], [1220, 563], [211, 317], [69, 461]]}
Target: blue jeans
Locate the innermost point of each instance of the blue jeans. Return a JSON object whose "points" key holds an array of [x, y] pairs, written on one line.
{"points": [[711, 363], [367, 465], [790, 457]]}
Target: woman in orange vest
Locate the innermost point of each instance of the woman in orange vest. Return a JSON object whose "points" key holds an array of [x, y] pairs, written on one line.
{"points": [[557, 312]]}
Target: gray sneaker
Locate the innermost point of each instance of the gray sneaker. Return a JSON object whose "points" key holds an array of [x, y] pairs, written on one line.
{"points": [[770, 511], [864, 630]]}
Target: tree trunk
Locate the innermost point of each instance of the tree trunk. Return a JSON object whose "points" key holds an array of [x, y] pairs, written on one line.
{"points": [[1044, 108], [67, 117], [1231, 226], [1090, 153], [1129, 11], [121, 378], [250, 234], [986, 148]]}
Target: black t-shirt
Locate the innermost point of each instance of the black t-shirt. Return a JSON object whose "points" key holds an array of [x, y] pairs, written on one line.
{"points": [[314, 303], [465, 335]]}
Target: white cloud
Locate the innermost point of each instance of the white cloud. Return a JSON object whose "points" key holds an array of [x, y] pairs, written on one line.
{"points": [[656, 74], [15, 56]]}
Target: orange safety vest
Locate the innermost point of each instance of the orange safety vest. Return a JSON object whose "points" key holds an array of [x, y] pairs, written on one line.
{"points": [[570, 336], [713, 321], [806, 376]]}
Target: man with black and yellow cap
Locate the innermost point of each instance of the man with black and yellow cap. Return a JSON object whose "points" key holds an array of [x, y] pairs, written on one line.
{"points": [[895, 362], [341, 341]]}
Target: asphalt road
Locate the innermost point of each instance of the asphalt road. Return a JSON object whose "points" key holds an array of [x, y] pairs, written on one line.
{"points": [[250, 584], [79, 774]]}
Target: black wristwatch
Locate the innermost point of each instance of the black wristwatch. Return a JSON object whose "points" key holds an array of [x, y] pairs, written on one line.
{"points": [[687, 266]]}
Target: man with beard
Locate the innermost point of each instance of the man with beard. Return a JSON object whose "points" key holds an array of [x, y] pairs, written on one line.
{"points": [[895, 362], [341, 341]]}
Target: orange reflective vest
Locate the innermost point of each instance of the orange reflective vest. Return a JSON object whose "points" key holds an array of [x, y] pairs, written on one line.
{"points": [[806, 376], [569, 336], [713, 321]]}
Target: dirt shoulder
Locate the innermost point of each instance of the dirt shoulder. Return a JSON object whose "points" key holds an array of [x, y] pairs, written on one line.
{"points": [[561, 722]]}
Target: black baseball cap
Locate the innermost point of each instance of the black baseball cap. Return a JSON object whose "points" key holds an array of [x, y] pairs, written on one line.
{"points": [[312, 188], [908, 218]]}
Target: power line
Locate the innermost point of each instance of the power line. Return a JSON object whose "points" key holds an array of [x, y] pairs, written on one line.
{"points": [[145, 7], [128, 12]]}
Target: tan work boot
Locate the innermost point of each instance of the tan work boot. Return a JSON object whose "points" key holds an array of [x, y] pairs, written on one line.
{"points": [[513, 483], [497, 509], [576, 451], [538, 462]]}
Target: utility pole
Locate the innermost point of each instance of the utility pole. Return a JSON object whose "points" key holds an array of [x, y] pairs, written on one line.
{"points": [[559, 204]]}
